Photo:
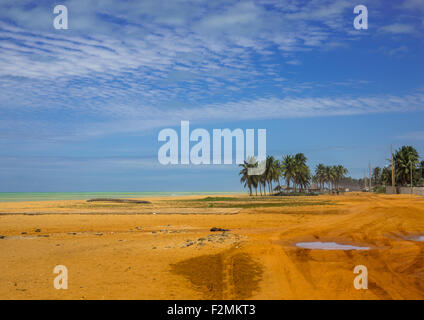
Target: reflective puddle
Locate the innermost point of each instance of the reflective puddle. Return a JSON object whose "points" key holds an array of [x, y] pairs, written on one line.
{"points": [[419, 238], [328, 246]]}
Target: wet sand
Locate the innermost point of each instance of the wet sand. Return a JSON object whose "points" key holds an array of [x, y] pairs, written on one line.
{"points": [[165, 250]]}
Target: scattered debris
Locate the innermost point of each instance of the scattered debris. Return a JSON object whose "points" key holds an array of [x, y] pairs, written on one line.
{"points": [[177, 231], [213, 239], [2, 237], [98, 234], [37, 230], [187, 244], [215, 229]]}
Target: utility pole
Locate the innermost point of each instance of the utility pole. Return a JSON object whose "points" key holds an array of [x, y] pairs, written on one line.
{"points": [[393, 167], [412, 189], [370, 175], [365, 182]]}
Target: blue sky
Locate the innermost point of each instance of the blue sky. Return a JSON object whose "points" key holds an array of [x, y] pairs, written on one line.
{"points": [[80, 109]]}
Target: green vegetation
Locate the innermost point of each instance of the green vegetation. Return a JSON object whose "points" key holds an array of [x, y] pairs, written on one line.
{"points": [[408, 170], [216, 199], [291, 170], [97, 205], [330, 175], [379, 189], [251, 202], [247, 203], [271, 204]]}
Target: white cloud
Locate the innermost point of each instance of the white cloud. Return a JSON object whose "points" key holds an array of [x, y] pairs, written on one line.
{"points": [[397, 28], [294, 62], [413, 4], [142, 119], [416, 135], [202, 35], [133, 66]]}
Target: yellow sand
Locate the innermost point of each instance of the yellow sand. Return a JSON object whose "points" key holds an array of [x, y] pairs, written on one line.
{"points": [[124, 251]]}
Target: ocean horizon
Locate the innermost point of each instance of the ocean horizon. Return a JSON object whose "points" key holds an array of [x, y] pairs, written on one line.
{"points": [[50, 196]]}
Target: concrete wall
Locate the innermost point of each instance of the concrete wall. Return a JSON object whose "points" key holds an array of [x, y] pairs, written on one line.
{"points": [[391, 190], [405, 190], [417, 190]]}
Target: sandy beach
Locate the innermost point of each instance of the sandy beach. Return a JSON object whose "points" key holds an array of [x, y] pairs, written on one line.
{"points": [[165, 250]]}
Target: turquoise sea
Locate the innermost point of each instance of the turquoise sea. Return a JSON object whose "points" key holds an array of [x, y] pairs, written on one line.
{"points": [[48, 196]]}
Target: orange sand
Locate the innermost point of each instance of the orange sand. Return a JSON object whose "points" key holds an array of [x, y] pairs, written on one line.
{"points": [[121, 251]]}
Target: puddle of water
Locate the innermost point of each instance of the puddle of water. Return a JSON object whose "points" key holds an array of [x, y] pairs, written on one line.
{"points": [[419, 238], [328, 246]]}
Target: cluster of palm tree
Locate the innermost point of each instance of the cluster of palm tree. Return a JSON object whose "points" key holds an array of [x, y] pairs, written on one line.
{"points": [[294, 169], [329, 176], [264, 181], [291, 170], [408, 169]]}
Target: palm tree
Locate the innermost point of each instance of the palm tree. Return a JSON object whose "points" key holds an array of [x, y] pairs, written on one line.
{"points": [[270, 172], [246, 179], [386, 176], [339, 173], [328, 176], [320, 175], [333, 170], [253, 179], [376, 176], [277, 172], [288, 168], [406, 160], [255, 182], [421, 172], [262, 182], [302, 174], [303, 177]]}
